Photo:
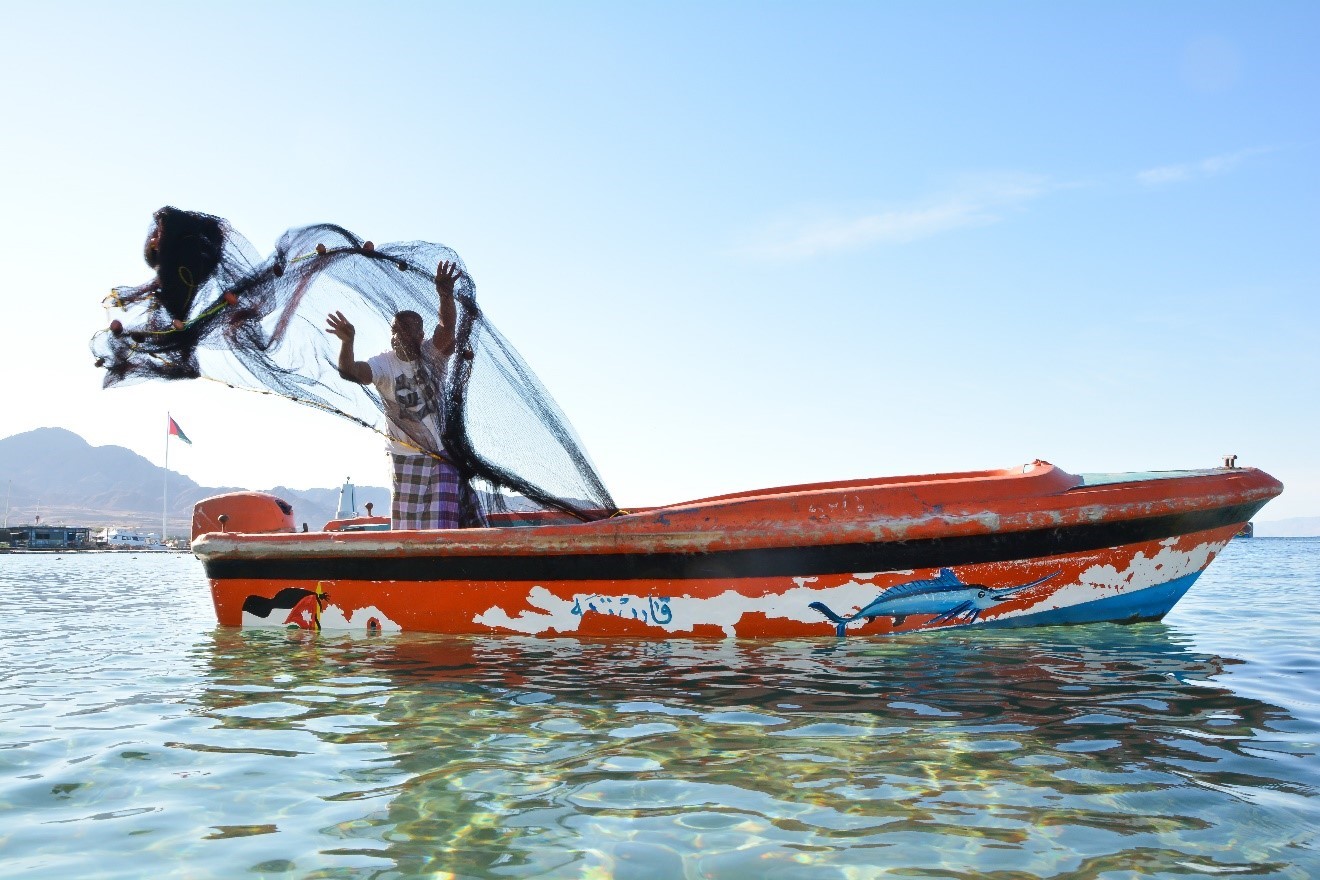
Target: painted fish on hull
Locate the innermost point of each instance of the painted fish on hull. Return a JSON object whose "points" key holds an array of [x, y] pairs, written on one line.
{"points": [[945, 595]]}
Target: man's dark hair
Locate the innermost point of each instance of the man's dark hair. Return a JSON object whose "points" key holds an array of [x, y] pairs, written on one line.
{"points": [[184, 248], [412, 317]]}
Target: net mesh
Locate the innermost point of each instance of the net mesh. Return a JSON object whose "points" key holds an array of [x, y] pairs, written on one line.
{"points": [[216, 309]]}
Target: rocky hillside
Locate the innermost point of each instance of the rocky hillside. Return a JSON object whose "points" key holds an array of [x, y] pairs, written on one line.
{"points": [[59, 476]]}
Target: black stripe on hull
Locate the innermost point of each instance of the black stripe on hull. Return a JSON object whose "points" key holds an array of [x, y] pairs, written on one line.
{"points": [[768, 562]]}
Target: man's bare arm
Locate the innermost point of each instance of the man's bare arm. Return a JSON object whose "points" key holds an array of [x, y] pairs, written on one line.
{"points": [[349, 368], [446, 275]]}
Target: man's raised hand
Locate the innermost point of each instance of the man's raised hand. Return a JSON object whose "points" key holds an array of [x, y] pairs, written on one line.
{"points": [[446, 276], [337, 325]]}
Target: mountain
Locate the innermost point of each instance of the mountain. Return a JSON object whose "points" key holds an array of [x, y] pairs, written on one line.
{"points": [[67, 481], [58, 475]]}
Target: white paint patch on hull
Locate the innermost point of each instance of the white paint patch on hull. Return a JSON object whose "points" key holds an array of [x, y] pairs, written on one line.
{"points": [[676, 614], [332, 618], [1102, 581], [679, 614], [275, 621]]}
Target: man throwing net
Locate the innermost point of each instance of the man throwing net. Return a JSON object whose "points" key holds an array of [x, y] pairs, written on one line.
{"points": [[409, 379], [471, 430]]}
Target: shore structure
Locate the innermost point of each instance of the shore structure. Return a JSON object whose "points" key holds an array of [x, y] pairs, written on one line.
{"points": [[126, 539], [46, 537], [43, 538]]}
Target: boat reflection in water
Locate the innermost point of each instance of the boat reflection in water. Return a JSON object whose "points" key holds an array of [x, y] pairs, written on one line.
{"points": [[1052, 750]]}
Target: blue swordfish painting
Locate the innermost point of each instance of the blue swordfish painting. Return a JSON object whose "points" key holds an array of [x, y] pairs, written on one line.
{"points": [[944, 595]]}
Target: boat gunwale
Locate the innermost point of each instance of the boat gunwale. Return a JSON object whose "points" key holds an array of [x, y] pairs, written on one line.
{"points": [[655, 532], [666, 565]]}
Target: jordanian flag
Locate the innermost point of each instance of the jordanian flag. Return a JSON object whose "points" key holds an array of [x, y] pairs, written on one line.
{"points": [[176, 431]]}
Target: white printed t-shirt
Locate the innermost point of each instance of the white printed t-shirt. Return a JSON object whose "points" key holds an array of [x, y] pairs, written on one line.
{"points": [[412, 404]]}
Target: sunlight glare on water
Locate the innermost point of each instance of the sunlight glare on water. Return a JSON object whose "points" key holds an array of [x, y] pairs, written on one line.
{"points": [[137, 739]]}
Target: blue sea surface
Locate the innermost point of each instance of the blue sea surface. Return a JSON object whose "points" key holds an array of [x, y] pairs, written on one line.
{"points": [[137, 739]]}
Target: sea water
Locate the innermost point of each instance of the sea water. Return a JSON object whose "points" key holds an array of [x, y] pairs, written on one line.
{"points": [[139, 740]]}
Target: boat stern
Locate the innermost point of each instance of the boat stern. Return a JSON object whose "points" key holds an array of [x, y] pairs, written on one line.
{"points": [[252, 513]]}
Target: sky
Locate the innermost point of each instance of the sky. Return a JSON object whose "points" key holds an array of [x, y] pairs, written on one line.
{"points": [[743, 244]]}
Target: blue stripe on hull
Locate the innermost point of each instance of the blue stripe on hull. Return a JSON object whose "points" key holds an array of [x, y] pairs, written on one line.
{"points": [[1151, 603]]}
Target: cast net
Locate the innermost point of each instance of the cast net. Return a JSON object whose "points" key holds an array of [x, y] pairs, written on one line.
{"points": [[217, 310]]}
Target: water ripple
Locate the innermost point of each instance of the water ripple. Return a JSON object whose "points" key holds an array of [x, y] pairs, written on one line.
{"points": [[168, 747]]}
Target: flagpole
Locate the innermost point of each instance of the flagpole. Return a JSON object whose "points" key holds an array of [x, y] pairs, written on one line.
{"points": [[165, 483]]}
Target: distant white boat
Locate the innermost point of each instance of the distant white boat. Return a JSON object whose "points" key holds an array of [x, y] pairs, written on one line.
{"points": [[122, 539]]}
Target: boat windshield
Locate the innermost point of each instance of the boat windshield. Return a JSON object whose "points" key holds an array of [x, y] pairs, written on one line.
{"points": [[1135, 477]]}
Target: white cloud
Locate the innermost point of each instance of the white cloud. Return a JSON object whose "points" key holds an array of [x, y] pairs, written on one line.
{"points": [[978, 204], [1221, 164]]}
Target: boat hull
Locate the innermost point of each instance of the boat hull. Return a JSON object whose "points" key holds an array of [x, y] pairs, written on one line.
{"points": [[1133, 582], [857, 559]]}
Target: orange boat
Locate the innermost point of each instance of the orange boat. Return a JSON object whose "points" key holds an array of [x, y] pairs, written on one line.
{"points": [[1026, 546]]}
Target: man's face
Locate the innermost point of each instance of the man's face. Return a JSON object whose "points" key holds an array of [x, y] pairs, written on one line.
{"points": [[406, 336], [151, 252]]}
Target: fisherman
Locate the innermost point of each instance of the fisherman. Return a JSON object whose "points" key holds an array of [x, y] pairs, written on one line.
{"points": [[409, 378]]}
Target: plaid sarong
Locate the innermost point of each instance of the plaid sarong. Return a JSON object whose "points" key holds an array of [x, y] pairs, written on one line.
{"points": [[426, 493]]}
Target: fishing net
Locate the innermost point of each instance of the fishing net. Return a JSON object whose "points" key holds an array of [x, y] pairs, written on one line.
{"points": [[217, 310]]}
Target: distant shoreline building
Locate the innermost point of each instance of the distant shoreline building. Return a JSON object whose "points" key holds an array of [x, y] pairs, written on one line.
{"points": [[43, 537], [123, 539]]}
